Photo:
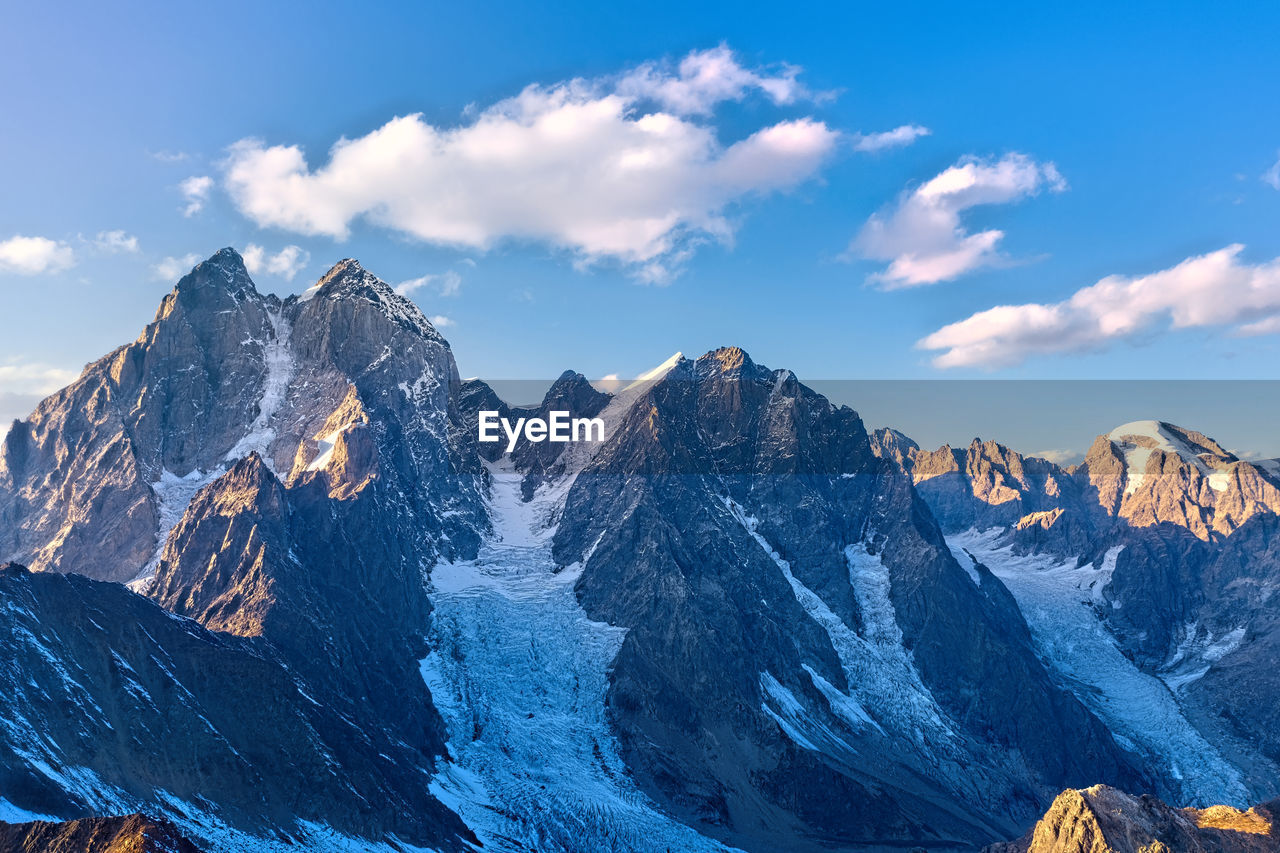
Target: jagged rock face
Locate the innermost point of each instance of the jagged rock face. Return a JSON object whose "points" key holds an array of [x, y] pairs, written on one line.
{"points": [[113, 705], [292, 470], [1104, 820], [74, 478], [91, 483], [539, 461], [1190, 531], [776, 577], [128, 834], [1144, 474], [988, 485]]}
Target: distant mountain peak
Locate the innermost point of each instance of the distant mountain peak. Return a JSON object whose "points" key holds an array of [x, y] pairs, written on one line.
{"points": [[1137, 440], [224, 268], [348, 280]]}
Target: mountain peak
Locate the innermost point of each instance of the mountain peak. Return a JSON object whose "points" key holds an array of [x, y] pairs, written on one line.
{"points": [[1137, 440], [348, 280], [224, 270]]}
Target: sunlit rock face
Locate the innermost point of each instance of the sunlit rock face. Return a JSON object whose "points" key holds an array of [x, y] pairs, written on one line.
{"points": [[738, 620], [286, 472], [127, 834], [1104, 820]]}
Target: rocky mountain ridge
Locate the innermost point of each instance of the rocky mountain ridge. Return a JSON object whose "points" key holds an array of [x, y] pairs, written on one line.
{"points": [[741, 620]]}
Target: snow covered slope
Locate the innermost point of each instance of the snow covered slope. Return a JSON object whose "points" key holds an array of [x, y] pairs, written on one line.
{"points": [[1059, 600], [519, 673]]}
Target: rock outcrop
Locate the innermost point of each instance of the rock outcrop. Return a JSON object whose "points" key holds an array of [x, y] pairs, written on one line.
{"points": [[1104, 820], [779, 583], [134, 833]]}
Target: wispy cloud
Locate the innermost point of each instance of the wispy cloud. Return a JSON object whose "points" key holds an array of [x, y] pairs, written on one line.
{"points": [[1060, 457], [196, 192], [627, 169], [440, 321], [922, 236], [34, 255], [172, 269], [1272, 175], [896, 138], [1216, 289], [116, 242], [23, 384], [286, 263], [29, 377], [448, 283], [168, 156], [704, 79]]}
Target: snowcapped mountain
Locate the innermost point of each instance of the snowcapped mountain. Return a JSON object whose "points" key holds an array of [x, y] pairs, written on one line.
{"points": [[316, 613]]}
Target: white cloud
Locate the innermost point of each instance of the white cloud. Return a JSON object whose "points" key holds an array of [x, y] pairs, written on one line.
{"points": [[172, 269], [440, 321], [1272, 175], [286, 263], [24, 384], [922, 237], [33, 378], [704, 79], [1060, 457], [34, 255], [448, 283], [196, 191], [115, 242], [579, 165], [1215, 289], [896, 138], [168, 156]]}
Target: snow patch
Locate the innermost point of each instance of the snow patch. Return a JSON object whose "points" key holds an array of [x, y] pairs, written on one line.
{"points": [[519, 674], [173, 495], [280, 369], [1196, 654], [885, 689], [1136, 455], [1060, 603]]}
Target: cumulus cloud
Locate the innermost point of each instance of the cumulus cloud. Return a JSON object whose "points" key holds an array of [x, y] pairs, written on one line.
{"points": [[115, 242], [172, 269], [34, 255], [628, 169], [896, 138], [440, 321], [196, 191], [1216, 289], [286, 263], [922, 237], [447, 283], [1272, 175]]}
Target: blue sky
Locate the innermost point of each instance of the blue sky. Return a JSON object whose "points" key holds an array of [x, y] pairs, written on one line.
{"points": [[1099, 141]]}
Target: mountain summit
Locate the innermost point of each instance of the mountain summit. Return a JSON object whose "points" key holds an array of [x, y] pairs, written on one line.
{"points": [[268, 556]]}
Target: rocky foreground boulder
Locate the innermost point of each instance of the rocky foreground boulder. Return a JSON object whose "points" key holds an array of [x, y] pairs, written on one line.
{"points": [[134, 833], [1103, 820]]}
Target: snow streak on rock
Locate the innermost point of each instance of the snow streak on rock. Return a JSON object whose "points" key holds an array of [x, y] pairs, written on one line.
{"points": [[280, 368], [520, 673], [878, 667]]}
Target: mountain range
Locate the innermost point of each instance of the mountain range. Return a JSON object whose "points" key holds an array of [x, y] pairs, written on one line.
{"points": [[266, 588]]}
